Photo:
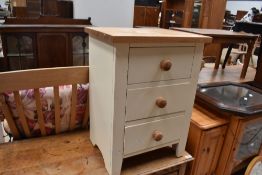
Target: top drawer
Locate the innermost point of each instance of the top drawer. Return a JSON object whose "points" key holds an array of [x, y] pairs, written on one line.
{"points": [[145, 64]]}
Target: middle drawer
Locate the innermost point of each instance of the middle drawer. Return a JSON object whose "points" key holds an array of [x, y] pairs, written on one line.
{"points": [[153, 101]]}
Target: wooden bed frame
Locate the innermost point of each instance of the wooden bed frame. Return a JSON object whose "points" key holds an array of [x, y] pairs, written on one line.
{"points": [[39, 78]]}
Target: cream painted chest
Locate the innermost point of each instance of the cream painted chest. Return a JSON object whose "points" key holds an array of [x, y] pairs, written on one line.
{"points": [[142, 89]]}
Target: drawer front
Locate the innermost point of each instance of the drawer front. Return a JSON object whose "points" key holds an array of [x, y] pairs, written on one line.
{"points": [[140, 137], [143, 103], [144, 64]]}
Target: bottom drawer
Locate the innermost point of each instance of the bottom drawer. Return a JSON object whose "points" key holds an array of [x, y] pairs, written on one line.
{"points": [[154, 134]]}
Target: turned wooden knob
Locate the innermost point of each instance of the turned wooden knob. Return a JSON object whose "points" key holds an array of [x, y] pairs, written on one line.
{"points": [[157, 136], [165, 65], [161, 102]]}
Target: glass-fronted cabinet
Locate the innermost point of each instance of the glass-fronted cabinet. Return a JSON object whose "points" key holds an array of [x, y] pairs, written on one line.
{"points": [[196, 13], [20, 52]]}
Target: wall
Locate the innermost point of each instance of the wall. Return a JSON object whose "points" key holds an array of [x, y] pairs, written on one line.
{"points": [[2, 2], [109, 13], [233, 6]]}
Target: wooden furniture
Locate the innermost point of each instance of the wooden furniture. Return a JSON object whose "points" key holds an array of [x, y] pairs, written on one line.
{"points": [[33, 43], [73, 153], [33, 8], [226, 37], [205, 141], [242, 139], [137, 95], [1, 134], [182, 11], [200, 13], [231, 158], [231, 73], [255, 28], [212, 14], [146, 16], [36, 79], [36, 8]]}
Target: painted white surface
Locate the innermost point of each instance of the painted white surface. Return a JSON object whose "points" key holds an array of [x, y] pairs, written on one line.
{"points": [[106, 13], [108, 85], [233, 6]]}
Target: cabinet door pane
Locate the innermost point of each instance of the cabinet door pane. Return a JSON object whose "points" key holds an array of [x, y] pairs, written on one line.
{"points": [[12, 45], [251, 141], [23, 62], [80, 50], [26, 45]]}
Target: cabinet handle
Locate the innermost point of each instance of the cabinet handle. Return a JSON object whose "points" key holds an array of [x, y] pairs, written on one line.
{"points": [[157, 135], [165, 65], [161, 102]]}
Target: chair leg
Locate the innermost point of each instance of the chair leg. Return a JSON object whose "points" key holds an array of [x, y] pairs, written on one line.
{"points": [[227, 56]]}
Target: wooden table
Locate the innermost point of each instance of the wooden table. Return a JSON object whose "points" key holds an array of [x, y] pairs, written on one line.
{"points": [[73, 153], [226, 37], [255, 28]]}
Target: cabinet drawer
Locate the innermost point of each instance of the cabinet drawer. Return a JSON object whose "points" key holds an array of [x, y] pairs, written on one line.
{"points": [[139, 138], [144, 64], [142, 103]]}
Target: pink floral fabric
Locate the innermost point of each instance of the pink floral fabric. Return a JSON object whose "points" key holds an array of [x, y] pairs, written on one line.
{"points": [[48, 108]]}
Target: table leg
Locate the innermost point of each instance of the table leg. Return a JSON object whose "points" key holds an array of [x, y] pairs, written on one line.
{"points": [[182, 169], [259, 56], [218, 58], [227, 55], [258, 78], [247, 58]]}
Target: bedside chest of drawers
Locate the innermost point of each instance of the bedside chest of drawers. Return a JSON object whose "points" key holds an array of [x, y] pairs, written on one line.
{"points": [[142, 88]]}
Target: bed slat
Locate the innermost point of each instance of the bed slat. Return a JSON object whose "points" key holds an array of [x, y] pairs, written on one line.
{"points": [[86, 115], [57, 110], [20, 110], [40, 115], [9, 118], [73, 107]]}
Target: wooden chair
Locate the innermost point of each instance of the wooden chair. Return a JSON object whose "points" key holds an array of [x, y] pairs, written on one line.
{"points": [[40, 78]]}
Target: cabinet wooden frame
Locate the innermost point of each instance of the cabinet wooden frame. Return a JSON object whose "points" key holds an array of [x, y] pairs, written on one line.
{"points": [[235, 132], [49, 32], [205, 141]]}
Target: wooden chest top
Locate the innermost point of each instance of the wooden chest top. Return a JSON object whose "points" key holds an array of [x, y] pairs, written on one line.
{"points": [[144, 35]]}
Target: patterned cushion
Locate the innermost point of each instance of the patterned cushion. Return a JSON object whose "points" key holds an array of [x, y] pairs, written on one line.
{"points": [[47, 101]]}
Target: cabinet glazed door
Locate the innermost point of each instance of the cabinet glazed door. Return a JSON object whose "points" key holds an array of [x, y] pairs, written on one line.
{"points": [[210, 150]]}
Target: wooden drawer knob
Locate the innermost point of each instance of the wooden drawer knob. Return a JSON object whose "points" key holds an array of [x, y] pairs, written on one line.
{"points": [[161, 102], [157, 136], [165, 65]]}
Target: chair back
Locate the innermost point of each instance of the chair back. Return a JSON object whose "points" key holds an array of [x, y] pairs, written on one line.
{"points": [[35, 79]]}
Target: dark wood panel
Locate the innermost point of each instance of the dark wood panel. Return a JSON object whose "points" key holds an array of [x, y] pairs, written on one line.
{"points": [[65, 9], [49, 7], [139, 16], [33, 8], [48, 20], [52, 49], [152, 15], [146, 16], [20, 11]]}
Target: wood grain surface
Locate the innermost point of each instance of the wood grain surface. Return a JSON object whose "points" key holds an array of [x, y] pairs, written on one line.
{"points": [[144, 35], [73, 153]]}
